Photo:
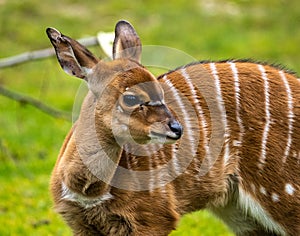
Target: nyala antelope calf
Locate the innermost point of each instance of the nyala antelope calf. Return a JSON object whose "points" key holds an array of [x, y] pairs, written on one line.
{"points": [[224, 136]]}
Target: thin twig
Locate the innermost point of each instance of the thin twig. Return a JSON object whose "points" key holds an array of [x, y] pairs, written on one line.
{"points": [[104, 39], [24, 99], [40, 54]]}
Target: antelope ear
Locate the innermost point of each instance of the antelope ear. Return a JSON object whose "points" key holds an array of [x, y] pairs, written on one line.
{"points": [[127, 43], [73, 57]]}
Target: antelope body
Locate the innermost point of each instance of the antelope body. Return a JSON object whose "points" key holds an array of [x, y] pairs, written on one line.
{"points": [[224, 136]]}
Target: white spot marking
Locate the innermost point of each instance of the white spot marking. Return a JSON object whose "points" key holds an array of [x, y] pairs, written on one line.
{"points": [[262, 190], [295, 154], [267, 117], [253, 187], [289, 189], [290, 115], [222, 110], [275, 197]]}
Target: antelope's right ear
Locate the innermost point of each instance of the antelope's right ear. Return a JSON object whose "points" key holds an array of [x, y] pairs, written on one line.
{"points": [[74, 58], [127, 43]]}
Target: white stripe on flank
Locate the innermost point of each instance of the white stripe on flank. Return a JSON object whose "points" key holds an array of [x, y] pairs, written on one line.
{"points": [[267, 117], [237, 100], [186, 119], [222, 110], [130, 167], [175, 161], [199, 110], [156, 180], [151, 175], [290, 115], [187, 123]]}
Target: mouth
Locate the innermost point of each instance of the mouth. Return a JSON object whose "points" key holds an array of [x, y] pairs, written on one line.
{"points": [[168, 137]]}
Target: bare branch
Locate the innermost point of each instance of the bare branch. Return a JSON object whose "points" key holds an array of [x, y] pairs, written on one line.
{"points": [[105, 41], [24, 99], [40, 54]]}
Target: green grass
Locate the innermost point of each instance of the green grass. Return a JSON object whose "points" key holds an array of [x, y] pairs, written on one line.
{"points": [[30, 140]]}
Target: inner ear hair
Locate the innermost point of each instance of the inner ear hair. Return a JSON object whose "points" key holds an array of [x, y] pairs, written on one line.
{"points": [[127, 43], [73, 57], [84, 56]]}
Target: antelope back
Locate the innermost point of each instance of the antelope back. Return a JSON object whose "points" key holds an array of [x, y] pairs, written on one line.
{"points": [[257, 109]]}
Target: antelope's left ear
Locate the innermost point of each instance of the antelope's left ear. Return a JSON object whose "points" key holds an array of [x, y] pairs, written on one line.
{"points": [[74, 58], [127, 43]]}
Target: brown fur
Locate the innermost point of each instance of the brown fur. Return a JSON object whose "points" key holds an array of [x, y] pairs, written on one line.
{"points": [[127, 210]]}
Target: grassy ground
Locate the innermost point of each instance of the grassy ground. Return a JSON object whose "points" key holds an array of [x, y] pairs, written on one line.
{"points": [[29, 140]]}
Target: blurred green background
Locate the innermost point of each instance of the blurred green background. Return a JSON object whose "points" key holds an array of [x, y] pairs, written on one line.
{"points": [[266, 30]]}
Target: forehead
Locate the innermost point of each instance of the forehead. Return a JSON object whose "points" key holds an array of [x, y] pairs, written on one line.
{"points": [[129, 76], [152, 89], [140, 81]]}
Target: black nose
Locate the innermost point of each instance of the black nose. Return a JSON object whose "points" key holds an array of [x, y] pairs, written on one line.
{"points": [[176, 128]]}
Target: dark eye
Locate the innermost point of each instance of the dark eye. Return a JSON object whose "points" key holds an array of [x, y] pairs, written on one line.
{"points": [[131, 100]]}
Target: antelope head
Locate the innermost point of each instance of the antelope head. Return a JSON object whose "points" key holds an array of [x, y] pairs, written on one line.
{"points": [[127, 100]]}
